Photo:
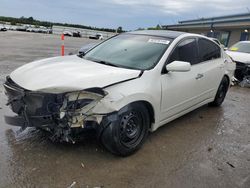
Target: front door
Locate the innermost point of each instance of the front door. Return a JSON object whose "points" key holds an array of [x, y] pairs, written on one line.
{"points": [[181, 90]]}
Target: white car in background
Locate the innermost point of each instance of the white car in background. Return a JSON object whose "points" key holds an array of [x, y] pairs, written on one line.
{"points": [[3, 28], [97, 36], [123, 88], [240, 53], [68, 33]]}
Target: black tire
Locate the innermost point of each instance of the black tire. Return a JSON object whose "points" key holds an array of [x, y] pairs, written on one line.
{"points": [[221, 92], [125, 132]]}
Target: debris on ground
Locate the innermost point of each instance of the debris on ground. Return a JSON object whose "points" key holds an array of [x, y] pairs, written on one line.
{"points": [[209, 149], [220, 169], [230, 164], [72, 185], [82, 165], [245, 82], [234, 81]]}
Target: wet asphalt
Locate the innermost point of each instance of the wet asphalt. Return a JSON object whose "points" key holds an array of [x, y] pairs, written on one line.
{"points": [[209, 147]]}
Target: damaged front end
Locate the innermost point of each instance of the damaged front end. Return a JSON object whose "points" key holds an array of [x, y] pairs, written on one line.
{"points": [[64, 115], [242, 70], [242, 74]]}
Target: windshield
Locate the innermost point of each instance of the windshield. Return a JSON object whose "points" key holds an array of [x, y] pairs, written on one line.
{"points": [[130, 51], [241, 47]]}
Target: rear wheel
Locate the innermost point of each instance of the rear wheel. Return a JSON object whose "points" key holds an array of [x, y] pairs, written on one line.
{"points": [[221, 92], [126, 134]]}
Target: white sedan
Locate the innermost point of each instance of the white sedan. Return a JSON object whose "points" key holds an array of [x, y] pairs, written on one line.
{"points": [[124, 87], [240, 53]]}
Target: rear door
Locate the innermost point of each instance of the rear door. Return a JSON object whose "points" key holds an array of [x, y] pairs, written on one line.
{"points": [[211, 67]]}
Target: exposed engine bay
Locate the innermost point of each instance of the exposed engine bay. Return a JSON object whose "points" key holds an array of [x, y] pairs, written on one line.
{"points": [[62, 115], [242, 74]]}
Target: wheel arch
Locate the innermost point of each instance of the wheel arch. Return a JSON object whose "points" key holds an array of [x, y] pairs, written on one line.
{"points": [[150, 109], [228, 79]]}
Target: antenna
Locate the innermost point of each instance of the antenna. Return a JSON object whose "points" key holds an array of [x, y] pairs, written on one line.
{"points": [[248, 10], [160, 23]]}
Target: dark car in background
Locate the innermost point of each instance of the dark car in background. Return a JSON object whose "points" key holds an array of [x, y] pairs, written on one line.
{"points": [[3, 29]]}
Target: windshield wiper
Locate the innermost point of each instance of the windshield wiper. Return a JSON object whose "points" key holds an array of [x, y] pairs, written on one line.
{"points": [[104, 62]]}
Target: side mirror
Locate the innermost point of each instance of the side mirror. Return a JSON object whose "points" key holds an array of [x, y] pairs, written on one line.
{"points": [[225, 48], [86, 48], [179, 66], [81, 53]]}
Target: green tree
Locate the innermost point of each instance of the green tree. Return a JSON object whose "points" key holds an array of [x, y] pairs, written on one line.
{"points": [[119, 30], [158, 27], [139, 29], [12, 23], [30, 20]]}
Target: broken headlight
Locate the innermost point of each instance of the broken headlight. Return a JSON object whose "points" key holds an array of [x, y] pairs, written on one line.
{"points": [[77, 106], [81, 101]]}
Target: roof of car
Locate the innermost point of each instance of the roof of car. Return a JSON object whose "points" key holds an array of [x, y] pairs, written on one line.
{"points": [[246, 41], [160, 33]]}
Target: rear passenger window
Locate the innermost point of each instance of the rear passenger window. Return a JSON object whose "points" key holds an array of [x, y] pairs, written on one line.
{"points": [[208, 50], [185, 51]]}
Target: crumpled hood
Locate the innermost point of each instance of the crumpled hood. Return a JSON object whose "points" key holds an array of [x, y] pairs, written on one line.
{"points": [[68, 73], [239, 56]]}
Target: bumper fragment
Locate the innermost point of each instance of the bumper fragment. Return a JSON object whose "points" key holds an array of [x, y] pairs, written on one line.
{"points": [[63, 114]]}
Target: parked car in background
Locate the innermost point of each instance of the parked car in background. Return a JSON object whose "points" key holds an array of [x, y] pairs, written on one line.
{"points": [[68, 33], [97, 36], [123, 88], [13, 27], [72, 33], [76, 34], [30, 29], [21, 28], [49, 31], [240, 53], [2, 28], [39, 30]]}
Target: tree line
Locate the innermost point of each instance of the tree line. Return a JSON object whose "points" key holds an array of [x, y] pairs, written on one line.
{"points": [[32, 21]]}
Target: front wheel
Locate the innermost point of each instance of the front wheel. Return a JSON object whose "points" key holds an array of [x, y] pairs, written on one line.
{"points": [[221, 93], [125, 132]]}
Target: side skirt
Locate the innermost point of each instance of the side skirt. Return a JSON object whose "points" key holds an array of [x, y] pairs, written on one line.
{"points": [[155, 127]]}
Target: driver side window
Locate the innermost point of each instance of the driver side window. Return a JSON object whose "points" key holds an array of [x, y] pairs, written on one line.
{"points": [[185, 51]]}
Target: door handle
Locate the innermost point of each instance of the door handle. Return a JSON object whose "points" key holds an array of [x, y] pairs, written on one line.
{"points": [[199, 76]]}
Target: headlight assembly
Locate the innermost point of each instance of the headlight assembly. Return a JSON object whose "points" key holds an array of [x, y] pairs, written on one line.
{"points": [[81, 101]]}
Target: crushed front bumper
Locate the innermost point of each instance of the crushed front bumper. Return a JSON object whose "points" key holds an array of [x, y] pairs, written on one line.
{"points": [[34, 109], [60, 114], [242, 70]]}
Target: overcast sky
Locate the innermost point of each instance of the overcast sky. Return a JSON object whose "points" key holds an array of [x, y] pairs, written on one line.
{"points": [[130, 14]]}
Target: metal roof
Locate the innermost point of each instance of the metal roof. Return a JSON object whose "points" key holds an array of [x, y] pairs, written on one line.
{"points": [[159, 33], [219, 18], [236, 18]]}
